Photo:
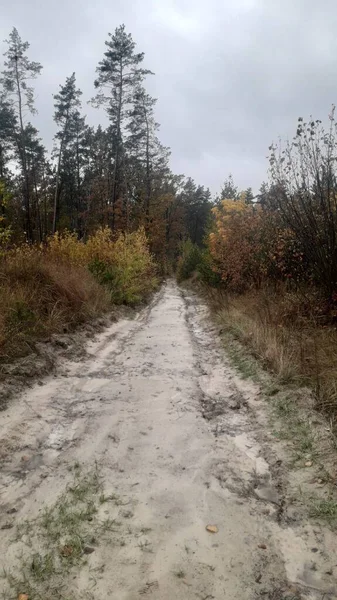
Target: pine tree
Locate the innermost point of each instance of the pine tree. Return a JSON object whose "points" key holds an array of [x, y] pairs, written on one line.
{"points": [[36, 164], [74, 161], [18, 72], [229, 191], [149, 156], [249, 196], [7, 129], [119, 74], [197, 209], [66, 105]]}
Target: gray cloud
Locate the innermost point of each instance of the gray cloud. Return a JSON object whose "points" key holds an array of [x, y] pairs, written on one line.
{"points": [[231, 75]]}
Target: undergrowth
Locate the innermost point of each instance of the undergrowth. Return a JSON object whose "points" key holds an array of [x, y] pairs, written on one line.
{"points": [[53, 288], [281, 331]]}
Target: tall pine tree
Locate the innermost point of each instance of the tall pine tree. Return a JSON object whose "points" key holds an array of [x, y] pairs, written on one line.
{"points": [[119, 74], [18, 92], [67, 102]]}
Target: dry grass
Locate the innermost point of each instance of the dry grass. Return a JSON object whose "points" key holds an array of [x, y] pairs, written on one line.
{"points": [[53, 288], [284, 332], [39, 297]]}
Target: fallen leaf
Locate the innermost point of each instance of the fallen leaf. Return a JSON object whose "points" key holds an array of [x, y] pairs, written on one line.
{"points": [[212, 528], [66, 550], [262, 546], [308, 463]]}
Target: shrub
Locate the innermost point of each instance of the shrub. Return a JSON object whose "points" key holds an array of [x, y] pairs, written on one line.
{"points": [[188, 261], [47, 288], [39, 297]]}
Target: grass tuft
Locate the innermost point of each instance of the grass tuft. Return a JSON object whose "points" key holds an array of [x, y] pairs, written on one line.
{"points": [[325, 509], [58, 540]]}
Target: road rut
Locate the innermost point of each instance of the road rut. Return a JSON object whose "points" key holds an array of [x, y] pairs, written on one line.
{"points": [[175, 434]]}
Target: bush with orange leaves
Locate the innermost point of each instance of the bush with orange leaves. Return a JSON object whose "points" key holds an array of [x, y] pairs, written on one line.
{"points": [[249, 245], [236, 244]]}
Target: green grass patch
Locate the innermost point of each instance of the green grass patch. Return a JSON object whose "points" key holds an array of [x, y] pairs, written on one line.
{"points": [[325, 509], [59, 540]]}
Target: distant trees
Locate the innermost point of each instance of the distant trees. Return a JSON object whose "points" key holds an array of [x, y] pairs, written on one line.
{"points": [[289, 233], [229, 190], [117, 176]]}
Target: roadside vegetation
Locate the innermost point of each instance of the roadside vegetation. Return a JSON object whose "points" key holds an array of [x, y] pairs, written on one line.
{"points": [[53, 287], [99, 219], [273, 260], [102, 216]]}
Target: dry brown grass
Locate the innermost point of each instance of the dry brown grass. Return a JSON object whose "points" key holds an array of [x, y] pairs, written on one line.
{"points": [[52, 288], [39, 297], [284, 331]]}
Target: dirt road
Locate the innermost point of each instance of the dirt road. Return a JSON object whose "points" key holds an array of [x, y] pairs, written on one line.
{"points": [[179, 441]]}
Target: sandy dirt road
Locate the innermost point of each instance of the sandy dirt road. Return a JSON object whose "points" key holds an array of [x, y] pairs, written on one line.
{"points": [[179, 439]]}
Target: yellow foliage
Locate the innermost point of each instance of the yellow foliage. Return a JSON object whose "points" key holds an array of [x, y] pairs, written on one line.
{"points": [[46, 288], [124, 263]]}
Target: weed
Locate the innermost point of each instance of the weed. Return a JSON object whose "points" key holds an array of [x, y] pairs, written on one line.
{"points": [[42, 566], [324, 509], [145, 546], [61, 534], [244, 362]]}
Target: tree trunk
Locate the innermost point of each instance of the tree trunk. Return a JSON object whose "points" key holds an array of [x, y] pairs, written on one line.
{"points": [[26, 194], [57, 185], [118, 140]]}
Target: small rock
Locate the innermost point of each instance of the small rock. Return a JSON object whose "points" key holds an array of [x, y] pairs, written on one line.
{"points": [[258, 578], [7, 526], [23, 597], [12, 511], [88, 550], [329, 572], [314, 549], [212, 528], [308, 463], [24, 458], [262, 546]]}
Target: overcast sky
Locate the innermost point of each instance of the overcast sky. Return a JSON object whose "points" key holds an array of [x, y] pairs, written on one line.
{"points": [[231, 75]]}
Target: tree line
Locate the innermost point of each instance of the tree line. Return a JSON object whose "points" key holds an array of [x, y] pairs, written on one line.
{"points": [[118, 176], [287, 233]]}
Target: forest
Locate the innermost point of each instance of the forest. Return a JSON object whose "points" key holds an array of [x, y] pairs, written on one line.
{"points": [[101, 218], [103, 207]]}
